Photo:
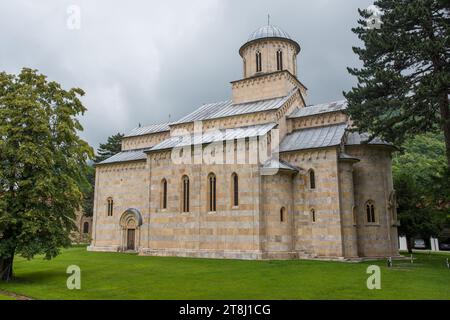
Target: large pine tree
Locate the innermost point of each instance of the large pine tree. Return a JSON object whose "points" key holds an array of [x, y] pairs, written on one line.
{"points": [[42, 166], [404, 84]]}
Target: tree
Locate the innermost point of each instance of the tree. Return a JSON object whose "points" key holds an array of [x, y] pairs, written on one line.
{"points": [[106, 150], [43, 165], [88, 192], [422, 184], [110, 148], [403, 86]]}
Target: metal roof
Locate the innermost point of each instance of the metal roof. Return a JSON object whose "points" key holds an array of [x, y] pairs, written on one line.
{"points": [[354, 138], [318, 109], [279, 164], [214, 136], [124, 156], [312, 138], [154, 128], [268, 31], [227, 108]]}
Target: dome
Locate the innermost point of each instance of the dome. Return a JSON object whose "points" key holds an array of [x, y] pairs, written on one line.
{"points": [[269, 31]]}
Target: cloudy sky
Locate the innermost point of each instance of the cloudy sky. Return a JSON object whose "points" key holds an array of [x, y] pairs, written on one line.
{"points": [[143, 61]]}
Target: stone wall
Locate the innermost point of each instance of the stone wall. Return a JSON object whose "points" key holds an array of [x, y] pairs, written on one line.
{"points": [[268, 51], [265, 86], [373, 181], [127, 185], [144, 141]]}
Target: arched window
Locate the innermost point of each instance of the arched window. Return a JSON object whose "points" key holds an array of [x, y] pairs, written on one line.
{"points": [[279, 60], [312, 179], [212, 192], [185, 200], [282, 214], [258, 61], [370, 211], [164, 194], [245, 68], [313, 215], [86, 227], [235, 194], [110, 206]]}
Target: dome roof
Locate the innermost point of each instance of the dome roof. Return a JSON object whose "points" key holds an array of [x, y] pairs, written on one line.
{"points": [[269, 31]]}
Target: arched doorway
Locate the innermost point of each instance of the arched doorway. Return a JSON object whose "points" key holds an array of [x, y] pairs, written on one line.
{"points": [[130, 223]]}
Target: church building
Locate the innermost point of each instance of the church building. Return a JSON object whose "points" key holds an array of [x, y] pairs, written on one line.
{"points": [[260, 176]]}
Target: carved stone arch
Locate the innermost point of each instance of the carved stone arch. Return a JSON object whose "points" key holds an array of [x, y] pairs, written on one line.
{"points": [[130, 223]]}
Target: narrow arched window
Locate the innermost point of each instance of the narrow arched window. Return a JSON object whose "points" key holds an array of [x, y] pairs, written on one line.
{"points": [[235, 194], [164, 194], [110, 207], [185, 200], [313, 215], [258, 61], [279, 60], [86, 227], [282, 214], [245, 68], [370, 211], [312, 179], [212, 192]]}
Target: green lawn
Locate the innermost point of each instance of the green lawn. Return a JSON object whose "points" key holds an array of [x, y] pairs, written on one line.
{"points": [[128, 276], [3, 297]]}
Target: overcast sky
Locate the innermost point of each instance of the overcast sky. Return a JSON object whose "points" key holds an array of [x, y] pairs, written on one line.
{"points": [[141, 61]]}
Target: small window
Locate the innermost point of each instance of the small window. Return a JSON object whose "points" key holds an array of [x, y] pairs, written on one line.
{"points": [[279, 60], [370, 211], [110, 207], [313, 215], [283, 214], [86, 227], [245, 68], [185, 199], [235, 179], [164, 194], [212, 192], [258, 61], [312, 179]]}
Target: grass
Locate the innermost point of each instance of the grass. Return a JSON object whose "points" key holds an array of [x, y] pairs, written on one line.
{"points": [[128, 276], [4, 297]]}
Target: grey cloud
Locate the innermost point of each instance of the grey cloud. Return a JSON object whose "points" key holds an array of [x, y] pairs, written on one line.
{"points": [[140, 61]]}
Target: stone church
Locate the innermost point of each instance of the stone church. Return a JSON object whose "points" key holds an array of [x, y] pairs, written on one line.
{"points": [[260, 176]]}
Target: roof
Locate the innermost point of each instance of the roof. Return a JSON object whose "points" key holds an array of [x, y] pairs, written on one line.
{"points": [[269, 31], [319, 109], [154, 128], [124, 156], [311, 138], [227, 108], [277, 164], [214, 136], [354, 138]]}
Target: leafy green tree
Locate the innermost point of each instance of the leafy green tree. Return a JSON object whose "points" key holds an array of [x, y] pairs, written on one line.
{"points": [[422, 182], [43, 165], [106, 150], [403, 86], [88, 192], [112, 146]]}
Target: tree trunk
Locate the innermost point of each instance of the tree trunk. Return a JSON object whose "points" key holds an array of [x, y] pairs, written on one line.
{"points": [[445, 115], [6, 268], [410, 244]]}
